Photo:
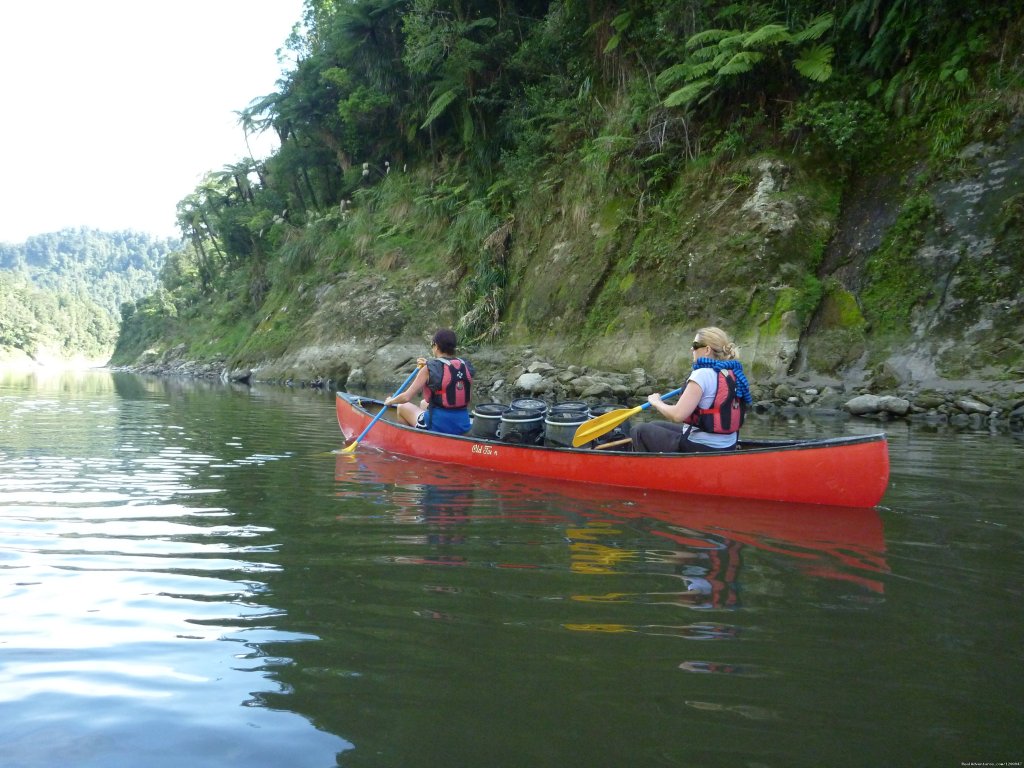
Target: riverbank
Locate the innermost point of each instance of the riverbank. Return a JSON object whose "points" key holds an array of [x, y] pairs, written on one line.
{"points": [[503, 374]]}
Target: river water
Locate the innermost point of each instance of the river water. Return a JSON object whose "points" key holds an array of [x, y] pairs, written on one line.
{"points": [[190, 575]]}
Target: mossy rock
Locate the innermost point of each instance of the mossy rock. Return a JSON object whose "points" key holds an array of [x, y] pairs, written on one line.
{"points": [[830, 351]]}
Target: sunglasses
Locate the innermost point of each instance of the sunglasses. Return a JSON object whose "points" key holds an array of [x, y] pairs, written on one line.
{"points": [[699, 345]]}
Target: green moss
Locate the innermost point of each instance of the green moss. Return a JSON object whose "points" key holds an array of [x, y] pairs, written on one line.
{"points": [[839, 310], [895, 282], [767, 312]]}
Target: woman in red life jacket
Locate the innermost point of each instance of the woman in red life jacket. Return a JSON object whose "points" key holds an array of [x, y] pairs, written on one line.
{"points": [[709, 413], [445, 381]]}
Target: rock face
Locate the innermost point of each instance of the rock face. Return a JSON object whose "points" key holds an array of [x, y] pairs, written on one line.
{"points": [[904, 300]]}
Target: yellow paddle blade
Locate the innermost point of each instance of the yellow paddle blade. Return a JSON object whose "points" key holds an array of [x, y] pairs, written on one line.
{"points": [[606, 422], [350, 448]]}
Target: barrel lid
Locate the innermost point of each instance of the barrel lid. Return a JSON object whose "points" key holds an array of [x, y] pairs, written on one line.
{"points": [[566, 417], [528, 404], [489, 409], [520, 414], [569, 405]]}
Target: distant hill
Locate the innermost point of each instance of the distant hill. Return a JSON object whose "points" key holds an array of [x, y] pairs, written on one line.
{"points": [[61, 292]]}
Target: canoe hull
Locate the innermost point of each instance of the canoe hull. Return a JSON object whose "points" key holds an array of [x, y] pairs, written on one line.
{"points": [[847, 471]]}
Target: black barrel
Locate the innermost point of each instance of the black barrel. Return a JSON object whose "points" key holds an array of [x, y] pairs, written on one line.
{"points": [[486, 418], [560, 428], [521, 426], [570, 406], [529, 404]]}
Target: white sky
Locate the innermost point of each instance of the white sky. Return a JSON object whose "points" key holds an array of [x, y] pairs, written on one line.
{"points": [[111, 111]]}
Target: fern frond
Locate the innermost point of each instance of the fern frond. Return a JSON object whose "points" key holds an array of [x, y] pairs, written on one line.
{"points": [[439, 106], [859, 14], [687, 93], [705, 53], [722, 59], [815, 29], [673, 74], [700, 70], [769, 34], [733, 42], [708, 36], [815, 63], [741, 63]]}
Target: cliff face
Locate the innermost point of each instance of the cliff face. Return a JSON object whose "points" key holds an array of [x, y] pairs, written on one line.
{"points": [[904, 281], [892, 280]]}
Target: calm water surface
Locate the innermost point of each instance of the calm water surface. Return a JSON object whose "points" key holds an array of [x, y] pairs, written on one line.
{"points": [[189, 576]]}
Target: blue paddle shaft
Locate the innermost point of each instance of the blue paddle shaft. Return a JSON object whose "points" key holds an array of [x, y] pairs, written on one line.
{"points": [[381, 411], [673, 393]]}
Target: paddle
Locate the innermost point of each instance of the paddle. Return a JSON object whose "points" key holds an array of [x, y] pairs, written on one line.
{"points": [[606, 422], [352, 446]]}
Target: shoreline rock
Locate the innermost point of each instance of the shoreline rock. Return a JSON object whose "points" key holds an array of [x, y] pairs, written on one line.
{"points": [[505, 374]]}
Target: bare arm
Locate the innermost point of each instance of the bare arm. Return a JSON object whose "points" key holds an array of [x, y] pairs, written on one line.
{"points": [[683, 407], [413, 389]]}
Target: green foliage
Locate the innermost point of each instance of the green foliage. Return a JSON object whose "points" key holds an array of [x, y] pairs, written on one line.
{"points": [[63, 290], [808, 298], [895, 283], [847, 131], [717, 56], [414, 132], [64, 325]]}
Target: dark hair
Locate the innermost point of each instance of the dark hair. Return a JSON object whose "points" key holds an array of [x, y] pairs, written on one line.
{"points": [[445, 340]]}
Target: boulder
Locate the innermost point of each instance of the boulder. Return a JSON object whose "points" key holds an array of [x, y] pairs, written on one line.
{"points": [[969, 405], [539, 366], [532, 384], [929, 399], [897, 406], [863, 404]]}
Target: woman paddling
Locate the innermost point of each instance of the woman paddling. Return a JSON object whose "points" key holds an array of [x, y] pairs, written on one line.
{"points": [[445, 381], [709, 413]]}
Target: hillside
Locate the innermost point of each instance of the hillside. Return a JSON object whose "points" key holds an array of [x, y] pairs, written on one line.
{"points": [[841, 188], [61, 292]]}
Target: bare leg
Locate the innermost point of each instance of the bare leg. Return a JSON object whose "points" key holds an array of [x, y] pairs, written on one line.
{"points": [[407, 413]]}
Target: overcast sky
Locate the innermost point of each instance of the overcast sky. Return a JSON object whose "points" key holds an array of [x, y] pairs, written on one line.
{"points": [[112, 110]]}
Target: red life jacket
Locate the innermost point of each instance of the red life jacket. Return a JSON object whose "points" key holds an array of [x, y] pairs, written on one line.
{"points": [[448, 382], [725, 415]]}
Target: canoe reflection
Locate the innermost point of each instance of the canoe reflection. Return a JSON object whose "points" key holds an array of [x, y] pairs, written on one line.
{"points": [[698, 539]]}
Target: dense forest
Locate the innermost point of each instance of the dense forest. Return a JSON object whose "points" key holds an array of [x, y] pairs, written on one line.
{"points": [[448, 140], [62, 292]]}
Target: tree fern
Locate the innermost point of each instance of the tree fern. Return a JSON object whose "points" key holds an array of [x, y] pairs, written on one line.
{"points": [[813, 31], [705, 68], [734, 41], [706, 53], [706, 36], [716, 55], [687, 93], [439, 105], [741, 63], [815, 63], [769, 34], [673, 74]]}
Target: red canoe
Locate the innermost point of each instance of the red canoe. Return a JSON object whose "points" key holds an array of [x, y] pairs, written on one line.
{"points": [[843, 471]]}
